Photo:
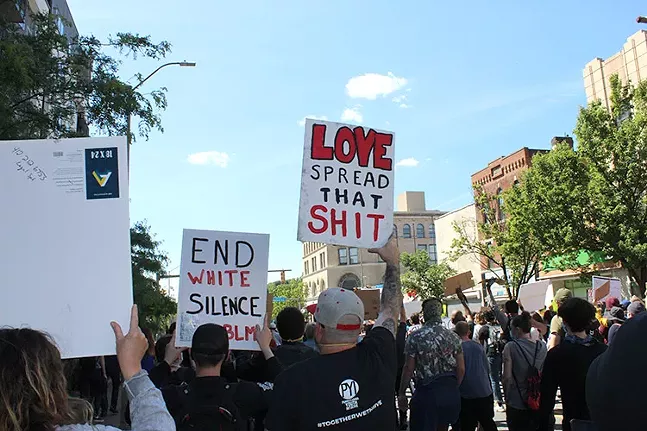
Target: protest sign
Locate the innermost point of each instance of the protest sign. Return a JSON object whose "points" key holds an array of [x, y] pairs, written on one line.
{"points": [[605, 287], [65, 240], [223, 280], [535, 296], [463, 280], [346, 185], [371, 300]]}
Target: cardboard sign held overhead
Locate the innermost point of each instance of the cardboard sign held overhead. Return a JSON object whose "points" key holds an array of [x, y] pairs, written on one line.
{"points": [[604, 287], [371, 300], [64, 240], [535, 296], [346, 185], [223, 280], [463, 280]]}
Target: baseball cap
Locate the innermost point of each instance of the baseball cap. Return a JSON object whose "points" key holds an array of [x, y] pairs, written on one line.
{"points": [[210, 339], [636, 308], [334, 304], [562, 295]]}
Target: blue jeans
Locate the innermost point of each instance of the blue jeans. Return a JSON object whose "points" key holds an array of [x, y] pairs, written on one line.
{"points": [[496, 362], [435, 404]]}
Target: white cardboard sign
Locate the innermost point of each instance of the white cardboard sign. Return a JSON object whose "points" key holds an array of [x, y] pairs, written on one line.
{"points": [[615, 287], [346, 185], [65, 240], [536, 295], [223, 280]]}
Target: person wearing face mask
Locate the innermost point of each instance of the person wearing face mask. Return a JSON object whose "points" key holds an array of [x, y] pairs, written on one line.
{"points": [[567, 364], [521, 356]]}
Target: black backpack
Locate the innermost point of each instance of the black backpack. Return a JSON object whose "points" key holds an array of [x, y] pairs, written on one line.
{"points": [[198, 415]]}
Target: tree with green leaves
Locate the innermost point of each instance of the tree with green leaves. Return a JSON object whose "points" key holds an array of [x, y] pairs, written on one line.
{"points": [[156, 308], [509, 244], [423, 278], [595, 197], [48, 82], [293, 289]]}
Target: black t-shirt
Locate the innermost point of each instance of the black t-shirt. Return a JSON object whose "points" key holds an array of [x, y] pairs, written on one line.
{"points": [[349, 390]]}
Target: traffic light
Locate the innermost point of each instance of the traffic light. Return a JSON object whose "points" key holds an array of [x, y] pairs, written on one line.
{"points": [[282, 277]]}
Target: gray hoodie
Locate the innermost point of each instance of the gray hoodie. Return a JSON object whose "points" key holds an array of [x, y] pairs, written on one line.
{"points": [[147, 408]]}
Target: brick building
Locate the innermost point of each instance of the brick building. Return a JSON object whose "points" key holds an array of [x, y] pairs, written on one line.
{"points": [[502, 174]]}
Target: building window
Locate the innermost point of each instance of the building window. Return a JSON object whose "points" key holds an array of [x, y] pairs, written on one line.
{"points": [[323, 284], [420, 231], [406, 231], [343, 256], [432, 231], [500, 214], [349, 281], [354, 255], [422, 247], [496, 171], [305, 267], [395, 231], [314, 264], [433, 256], [516, 183], [322, 260]]}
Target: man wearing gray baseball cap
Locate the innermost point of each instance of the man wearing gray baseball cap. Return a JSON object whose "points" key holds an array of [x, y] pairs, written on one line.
{"points": [[351, 385]]}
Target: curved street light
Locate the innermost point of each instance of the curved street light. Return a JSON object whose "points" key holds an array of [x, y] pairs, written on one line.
{"points": [[129, 135]]}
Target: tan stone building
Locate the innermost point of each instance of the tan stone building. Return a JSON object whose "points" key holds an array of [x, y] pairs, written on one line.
{"points": [[327, 265], [446, 234], [630, 63]]}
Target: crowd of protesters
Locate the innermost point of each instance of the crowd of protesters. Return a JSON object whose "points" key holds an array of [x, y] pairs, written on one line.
{"points": [[337, 373]]}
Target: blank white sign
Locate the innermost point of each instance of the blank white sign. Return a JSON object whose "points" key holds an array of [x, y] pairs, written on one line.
{"points": [[65, 241]]}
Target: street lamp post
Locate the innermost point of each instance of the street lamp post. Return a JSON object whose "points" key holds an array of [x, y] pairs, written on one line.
{"points": [[129, 135]]}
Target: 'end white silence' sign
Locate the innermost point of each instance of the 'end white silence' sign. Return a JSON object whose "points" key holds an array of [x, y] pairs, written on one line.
{"points": [[223, 280], [346, 185]]}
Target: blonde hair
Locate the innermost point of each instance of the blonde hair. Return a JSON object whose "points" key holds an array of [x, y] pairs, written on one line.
{"points": [[34, 394], [81, 412]]}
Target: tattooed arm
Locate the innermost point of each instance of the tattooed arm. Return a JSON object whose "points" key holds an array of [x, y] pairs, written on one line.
{"points": [[391, 301]]}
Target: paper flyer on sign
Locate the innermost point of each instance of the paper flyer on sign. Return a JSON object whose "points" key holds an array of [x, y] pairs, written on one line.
{"points": [[223, 280], [65, 237], [346, 185]]}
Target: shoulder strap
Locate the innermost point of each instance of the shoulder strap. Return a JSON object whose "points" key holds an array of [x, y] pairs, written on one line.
{"points": [[524, 354]]}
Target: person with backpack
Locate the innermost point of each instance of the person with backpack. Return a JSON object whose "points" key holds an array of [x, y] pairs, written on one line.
{"points": [[567, 364], [523, 360], [490, 337], [211, 402]]}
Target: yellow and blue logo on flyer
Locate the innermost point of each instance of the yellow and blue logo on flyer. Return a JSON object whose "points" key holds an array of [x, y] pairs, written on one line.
{"points": [[101, 173]]}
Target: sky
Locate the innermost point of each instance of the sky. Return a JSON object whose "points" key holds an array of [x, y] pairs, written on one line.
{"points": [[459, 83]]}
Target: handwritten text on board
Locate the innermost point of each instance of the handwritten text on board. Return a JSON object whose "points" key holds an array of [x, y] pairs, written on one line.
{"points": [[223, 280], [347, 185]]}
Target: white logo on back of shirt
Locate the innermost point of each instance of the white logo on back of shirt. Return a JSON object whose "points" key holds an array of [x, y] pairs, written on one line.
{"points": [[348, 390]]}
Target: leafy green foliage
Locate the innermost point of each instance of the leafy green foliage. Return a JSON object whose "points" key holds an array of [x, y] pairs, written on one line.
{"points": [[509, 245], [156, 308], [293, 290], [422, 277], [595, 198], [45, 82]]}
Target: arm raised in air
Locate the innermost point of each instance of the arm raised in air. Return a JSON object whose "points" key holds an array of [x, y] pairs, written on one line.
{"points": [[391, 301]]}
